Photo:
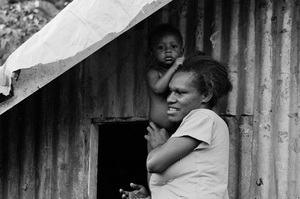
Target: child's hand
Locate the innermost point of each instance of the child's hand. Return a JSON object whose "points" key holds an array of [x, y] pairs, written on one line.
{"points": [[179, 61]]}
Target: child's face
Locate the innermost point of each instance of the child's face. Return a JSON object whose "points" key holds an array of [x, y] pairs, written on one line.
{"points": [[166, 49]]}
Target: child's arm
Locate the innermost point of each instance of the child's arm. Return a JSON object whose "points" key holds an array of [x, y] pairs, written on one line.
{"points": [[160, 84]]}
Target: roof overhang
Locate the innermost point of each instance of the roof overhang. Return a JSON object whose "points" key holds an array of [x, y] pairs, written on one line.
{"points": [[79, 30]]}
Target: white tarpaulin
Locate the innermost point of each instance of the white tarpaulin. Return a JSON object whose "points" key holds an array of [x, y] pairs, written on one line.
{"points": [[80, 26]]}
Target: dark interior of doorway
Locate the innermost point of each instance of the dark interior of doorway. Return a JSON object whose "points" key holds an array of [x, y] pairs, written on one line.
{"points": [[122, 157]]}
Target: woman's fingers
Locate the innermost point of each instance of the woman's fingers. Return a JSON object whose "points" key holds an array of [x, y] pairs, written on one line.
{"points": [[153, 126], [139, 191], [136, 186], [149, 129], [147, 137], [124, 193]]}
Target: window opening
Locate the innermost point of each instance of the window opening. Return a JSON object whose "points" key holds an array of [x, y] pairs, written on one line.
{"points": [[122, 157]]}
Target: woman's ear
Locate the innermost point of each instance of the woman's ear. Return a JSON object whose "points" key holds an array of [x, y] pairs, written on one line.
{"points": [[207, 97]]}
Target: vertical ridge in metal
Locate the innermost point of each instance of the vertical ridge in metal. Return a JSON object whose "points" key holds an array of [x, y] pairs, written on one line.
{"points": [[234, 57], [265, 97], [249, 56], [217, 31], [200, 25], [283, 105]]}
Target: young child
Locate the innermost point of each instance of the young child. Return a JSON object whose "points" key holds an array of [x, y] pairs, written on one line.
{"points": [[166, 44]]}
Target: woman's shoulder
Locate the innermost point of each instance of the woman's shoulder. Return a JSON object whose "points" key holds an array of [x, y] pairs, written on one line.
{"points": [[206, 115], [203, 115], [203, 112]]}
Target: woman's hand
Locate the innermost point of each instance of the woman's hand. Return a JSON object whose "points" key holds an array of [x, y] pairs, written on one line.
{"points": [[156, 136], [139, 192]]}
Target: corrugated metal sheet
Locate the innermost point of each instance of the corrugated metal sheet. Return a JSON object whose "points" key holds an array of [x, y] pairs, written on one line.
{"points": [[44, 149], [43, 144]]}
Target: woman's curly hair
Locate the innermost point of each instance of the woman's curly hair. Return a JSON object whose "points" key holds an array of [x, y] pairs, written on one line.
{"points": [[210, 75]]}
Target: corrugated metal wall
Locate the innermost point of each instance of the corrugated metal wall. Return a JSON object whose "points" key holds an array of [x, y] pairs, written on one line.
{"points": [[44, 141], [43, 144]]}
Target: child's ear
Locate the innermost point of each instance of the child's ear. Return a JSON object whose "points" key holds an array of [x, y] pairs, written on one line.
{"points": [[182, 51]]}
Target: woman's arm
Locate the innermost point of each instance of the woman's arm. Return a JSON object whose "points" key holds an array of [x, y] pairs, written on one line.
{"points": [[173, 150], [166, 151]]}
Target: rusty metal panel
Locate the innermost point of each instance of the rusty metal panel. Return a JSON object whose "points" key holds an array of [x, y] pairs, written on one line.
{"points": [[43, 144], [234, 152], [116, 85], [265, 129]]}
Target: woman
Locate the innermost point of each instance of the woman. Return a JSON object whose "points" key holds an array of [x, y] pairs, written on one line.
{"points": [[193, 162]]}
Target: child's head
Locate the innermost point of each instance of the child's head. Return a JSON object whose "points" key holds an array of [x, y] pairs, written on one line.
{"points": [[211, 76], [166, 43]]}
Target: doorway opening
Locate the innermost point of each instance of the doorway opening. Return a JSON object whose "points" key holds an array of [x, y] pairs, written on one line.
{"points": [[122, 157]]}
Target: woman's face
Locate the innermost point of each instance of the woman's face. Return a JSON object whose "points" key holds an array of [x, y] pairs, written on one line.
{"points": [[184, 96]]}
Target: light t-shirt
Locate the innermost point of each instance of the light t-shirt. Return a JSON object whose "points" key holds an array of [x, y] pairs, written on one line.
{"points": [[202, 174]]}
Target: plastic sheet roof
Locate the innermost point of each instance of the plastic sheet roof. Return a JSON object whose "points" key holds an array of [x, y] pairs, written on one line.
{"points": [[75, 33]]}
